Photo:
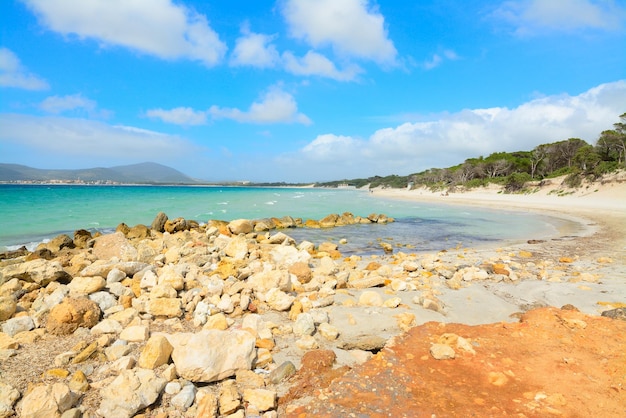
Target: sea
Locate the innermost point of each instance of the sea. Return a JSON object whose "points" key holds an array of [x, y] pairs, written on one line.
{"points": [[31, 214]]}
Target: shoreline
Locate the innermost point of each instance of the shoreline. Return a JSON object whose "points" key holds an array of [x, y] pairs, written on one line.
{"points": [[600, 212], [276, 302]]}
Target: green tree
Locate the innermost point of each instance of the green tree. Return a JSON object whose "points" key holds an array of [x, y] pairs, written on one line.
{"points": [[587, 158]]}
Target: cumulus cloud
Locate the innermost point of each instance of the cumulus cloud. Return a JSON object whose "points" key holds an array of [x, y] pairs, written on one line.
{"points": [[13, 73], [158, 27], [452, 138], [276, 106], [530, 17], [254, 49], [351, 27], [315, 64], [86, 140], [185, 116]]}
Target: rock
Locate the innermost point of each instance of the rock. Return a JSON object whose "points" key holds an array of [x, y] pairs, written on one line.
{"points": [[329, 221], [176, 225], [169, 307], [306, 343], [107, 326], [37, 271], [392, 302], [129, 392], [115, 275], [212, 355], [135, 333], [264, 281], [261, 399], [287, 255], [170, 275], [229, 399], [264, 225], [387, 248], [240, 226], [86, 285], [328, 331], [327, 247], [364, 342], [156, 352], [59, 242], [366, 282], [8, 306], [113, 245], [282, 372], [16, 325], [85, 353], [278, 300], [237, 248], [619, 313], [281, 238], [72, 313], [442, 352], [82, 238], [7, 342], [158, 224], [302, 271], [206, 402], [370, 298], [8, 396], [105, 300], [78, 382], [48, 401], [185, 397], [304, 325], [217, 321]]}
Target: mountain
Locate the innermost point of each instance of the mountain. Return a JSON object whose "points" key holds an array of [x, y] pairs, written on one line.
{"points": [[143, 173]]}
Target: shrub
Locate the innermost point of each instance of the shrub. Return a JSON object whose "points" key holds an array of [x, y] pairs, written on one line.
{"points": [[515, 182]]}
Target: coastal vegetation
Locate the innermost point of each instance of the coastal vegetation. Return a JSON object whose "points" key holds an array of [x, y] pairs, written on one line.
{"points": [[572, 157]]}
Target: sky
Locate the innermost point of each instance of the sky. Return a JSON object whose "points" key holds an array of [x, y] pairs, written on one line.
{"points": [[303, 90]]}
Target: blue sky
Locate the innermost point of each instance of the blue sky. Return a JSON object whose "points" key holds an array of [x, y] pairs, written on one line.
{"points": [[303, 90]]}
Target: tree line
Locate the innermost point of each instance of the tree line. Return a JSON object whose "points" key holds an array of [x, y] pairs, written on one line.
{"points": [[573, 157]]}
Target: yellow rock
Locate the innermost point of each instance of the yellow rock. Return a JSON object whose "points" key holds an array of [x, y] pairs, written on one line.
{"points": [[156, 352], [566, 260], [78, 382], [525, 254], [60, 373], [86, 353]]}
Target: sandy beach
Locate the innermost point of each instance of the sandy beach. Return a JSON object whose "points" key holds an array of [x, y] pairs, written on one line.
{"points": [[122, 307]]}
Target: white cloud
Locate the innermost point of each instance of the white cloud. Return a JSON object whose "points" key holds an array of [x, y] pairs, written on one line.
{"points": [[530, 17], [157, 27], [86, 140], [350, 27], [438, 59], [450, 139], [276, 106], [179, 116], [255, 49], [60, 104], [13, 74], [315, 64]]}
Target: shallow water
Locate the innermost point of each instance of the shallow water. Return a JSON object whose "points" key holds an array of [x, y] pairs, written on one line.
{"points": [[32, 213]]}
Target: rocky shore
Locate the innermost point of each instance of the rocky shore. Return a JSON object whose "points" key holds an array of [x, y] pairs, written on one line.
{"points": [[237, 319]]}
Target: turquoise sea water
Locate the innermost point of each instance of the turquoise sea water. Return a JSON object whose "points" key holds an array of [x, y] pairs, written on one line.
{"points": [[32, 213]]}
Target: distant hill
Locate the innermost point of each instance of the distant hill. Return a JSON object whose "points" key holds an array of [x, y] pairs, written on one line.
{"points": [[143, 173]]}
